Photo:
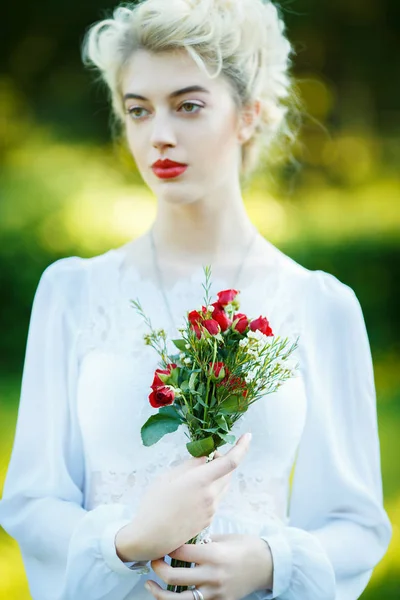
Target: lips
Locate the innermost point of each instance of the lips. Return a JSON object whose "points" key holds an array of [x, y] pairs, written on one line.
{"points": [[167, 169], [166, 163]]}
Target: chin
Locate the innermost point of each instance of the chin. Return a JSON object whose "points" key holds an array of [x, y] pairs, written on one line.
{"points": [[176, 197]]}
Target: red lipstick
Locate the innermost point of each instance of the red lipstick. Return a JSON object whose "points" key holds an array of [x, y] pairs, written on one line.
{"points": [[167, 169]]}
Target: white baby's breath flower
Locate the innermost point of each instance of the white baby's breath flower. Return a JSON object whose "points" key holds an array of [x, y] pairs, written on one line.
{"points": [[252, 351], [243, 343], [187, 361], [211, 308], [187, 346], [250, 376], [252, 335], [182, 355]]}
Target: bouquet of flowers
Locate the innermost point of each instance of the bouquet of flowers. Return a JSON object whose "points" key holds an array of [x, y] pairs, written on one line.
{"points": [[226, 362]]}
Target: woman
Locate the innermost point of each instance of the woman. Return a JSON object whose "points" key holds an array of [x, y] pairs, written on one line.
{"points": [[199, 88]]}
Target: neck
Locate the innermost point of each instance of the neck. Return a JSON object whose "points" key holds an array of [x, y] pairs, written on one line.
{"points": [[199, 233]]}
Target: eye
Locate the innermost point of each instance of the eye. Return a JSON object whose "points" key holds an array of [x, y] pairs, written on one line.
{"points": [[131, 112], [199, 106]]}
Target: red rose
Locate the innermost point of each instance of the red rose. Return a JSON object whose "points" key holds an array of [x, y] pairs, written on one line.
{"points": [[197, 331], [218, 370], [236, 385], [261, 324], [242, 323], [162, 396], [212, 326], [217, 306], [194, 317], [221, 317], [227, 296], [157, 381]]}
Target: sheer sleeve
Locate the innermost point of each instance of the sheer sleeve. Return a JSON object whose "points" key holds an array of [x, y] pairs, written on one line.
{"points": [[338, 529], [68, 552]]}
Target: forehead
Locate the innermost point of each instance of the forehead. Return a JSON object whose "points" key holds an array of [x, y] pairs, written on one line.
{"points": [[156, 74]]}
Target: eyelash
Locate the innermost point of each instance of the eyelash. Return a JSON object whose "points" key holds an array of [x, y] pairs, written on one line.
{"points": [[129, 111]]}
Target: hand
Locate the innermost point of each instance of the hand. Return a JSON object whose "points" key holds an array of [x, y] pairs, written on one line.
{"points": [[178, 505], [230, 567]]}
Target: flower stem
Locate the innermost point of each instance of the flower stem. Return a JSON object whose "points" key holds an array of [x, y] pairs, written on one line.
{"points": [[182, 564], [209, 380]]}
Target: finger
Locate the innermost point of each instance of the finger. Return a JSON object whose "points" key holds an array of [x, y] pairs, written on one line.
{"points": [[224, 489], [161, 594], [227, 463], [178, 575], [195, 553], [221, 486], [187, 465]]}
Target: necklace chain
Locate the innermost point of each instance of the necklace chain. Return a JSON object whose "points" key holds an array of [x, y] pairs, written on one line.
{"points": [[159, 274]]}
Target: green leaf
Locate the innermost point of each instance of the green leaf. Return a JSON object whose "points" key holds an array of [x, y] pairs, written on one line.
{"points": [[229, 439], [169, 411], [222, 423], [184, 386], [233, 404], [213, 401], [180, 344], [192, 382], [190, 418], [174, 377], [199, 400], [201, 447], [159, 425]]}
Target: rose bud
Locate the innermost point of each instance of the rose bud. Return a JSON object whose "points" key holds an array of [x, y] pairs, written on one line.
{"points": [[194, 317], [240, 322], [217, 306], [196, 329], [261, 324], [162, 396], [222, 318], [227, 296], [157, 381], [218, 372], [212, 326]]}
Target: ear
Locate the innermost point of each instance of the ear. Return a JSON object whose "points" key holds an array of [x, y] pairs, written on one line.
{"points": [[249, 118]]}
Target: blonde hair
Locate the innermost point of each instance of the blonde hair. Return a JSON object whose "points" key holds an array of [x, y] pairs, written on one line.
{"points": [[242, 39]]}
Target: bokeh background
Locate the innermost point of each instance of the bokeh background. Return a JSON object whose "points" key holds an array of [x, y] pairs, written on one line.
{"points": [[66, 189]]}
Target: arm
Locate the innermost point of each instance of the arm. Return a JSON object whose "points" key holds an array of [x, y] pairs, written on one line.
{"points": [[338, 528], [68, 552]]}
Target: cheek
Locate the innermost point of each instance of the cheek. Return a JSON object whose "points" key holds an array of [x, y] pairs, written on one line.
{"points": [[135, 144], [131, 138], [219, 142]]}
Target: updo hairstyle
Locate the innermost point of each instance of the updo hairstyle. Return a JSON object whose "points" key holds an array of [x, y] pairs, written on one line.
{"points": [[242, 39]]}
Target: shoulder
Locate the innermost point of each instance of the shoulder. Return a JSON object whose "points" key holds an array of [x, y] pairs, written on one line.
{"points": [[331, 310], [72, 274], [321, 296], [70, 282], [327, 295]]}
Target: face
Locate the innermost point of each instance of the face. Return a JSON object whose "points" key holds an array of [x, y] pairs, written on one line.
{"points": [[200, 128]]}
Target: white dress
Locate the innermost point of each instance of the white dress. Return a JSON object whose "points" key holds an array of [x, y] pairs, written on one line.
{"points": [[78, 468]]}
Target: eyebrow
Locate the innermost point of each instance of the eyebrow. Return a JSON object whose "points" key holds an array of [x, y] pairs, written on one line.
{"points": [[186, 90]]}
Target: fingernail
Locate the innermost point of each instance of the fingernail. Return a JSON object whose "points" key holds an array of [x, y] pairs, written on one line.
{"points": [[248, 436], [148, 587]]}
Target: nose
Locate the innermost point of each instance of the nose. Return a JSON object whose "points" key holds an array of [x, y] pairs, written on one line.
{"points": [[163, 134]]}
